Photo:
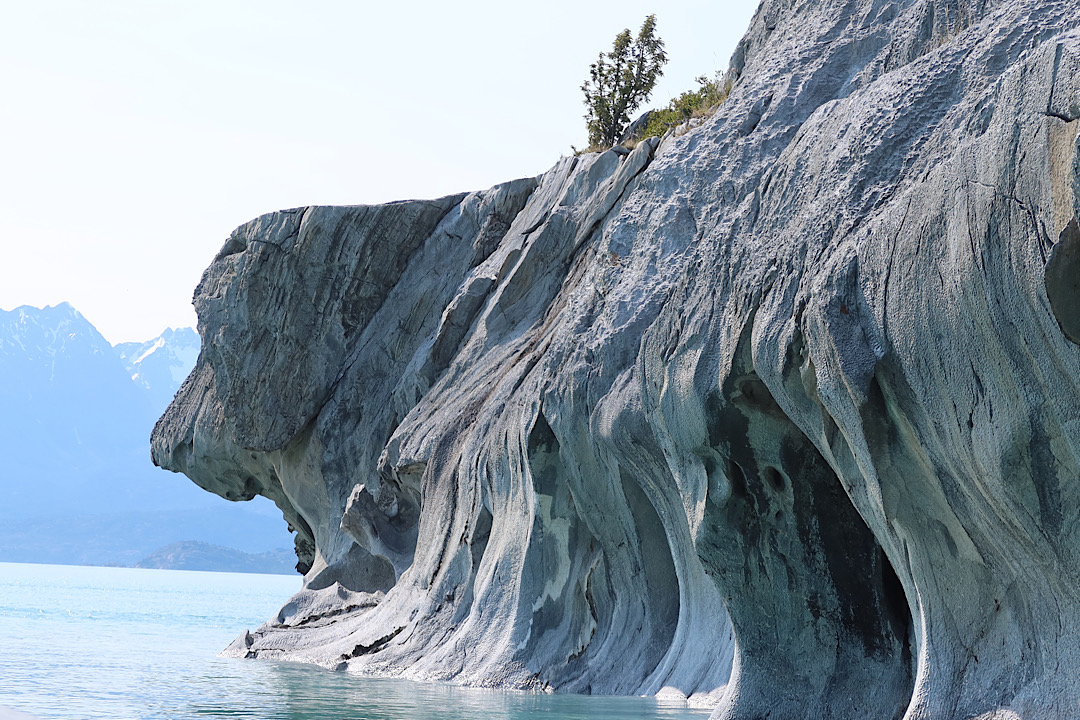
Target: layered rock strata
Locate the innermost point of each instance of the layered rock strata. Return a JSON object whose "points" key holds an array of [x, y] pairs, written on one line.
{"points": [[781, 413]]}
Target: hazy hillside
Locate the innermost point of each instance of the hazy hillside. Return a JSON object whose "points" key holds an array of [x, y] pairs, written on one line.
{"points": [[193, 555], [76, 481]]}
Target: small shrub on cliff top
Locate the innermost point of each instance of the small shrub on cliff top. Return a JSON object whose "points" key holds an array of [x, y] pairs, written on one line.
{"points": [[620, 80], [692, 103]]}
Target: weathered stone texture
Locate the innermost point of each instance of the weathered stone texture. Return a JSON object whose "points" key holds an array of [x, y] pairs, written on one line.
{"points": [[782, 413]]}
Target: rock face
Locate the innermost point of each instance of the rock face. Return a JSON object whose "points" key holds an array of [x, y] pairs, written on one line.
{"points": [[783, 412]]}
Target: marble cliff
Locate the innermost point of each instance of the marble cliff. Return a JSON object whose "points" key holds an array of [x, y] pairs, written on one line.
{"points": [[780, 414]]}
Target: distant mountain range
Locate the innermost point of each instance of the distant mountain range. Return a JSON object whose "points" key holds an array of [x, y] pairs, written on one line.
{"points": [[76, 481]]}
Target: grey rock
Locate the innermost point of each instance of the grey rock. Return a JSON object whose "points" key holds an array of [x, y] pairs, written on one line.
{"points": [[636, 129], [782, 412]]}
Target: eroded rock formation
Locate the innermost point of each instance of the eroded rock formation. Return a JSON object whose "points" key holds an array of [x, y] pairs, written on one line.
{"points": [[782, 413]]}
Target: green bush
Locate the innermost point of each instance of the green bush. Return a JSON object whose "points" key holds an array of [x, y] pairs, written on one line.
{"points": [[692, 103]]}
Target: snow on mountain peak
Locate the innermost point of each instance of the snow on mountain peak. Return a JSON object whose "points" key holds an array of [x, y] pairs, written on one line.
{"points": [[160, 365]]}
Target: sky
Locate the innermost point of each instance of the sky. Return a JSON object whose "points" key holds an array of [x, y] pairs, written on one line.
{"points": [[136, 134]]}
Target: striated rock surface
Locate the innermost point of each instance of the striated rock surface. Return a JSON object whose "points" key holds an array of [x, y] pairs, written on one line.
{"points": [[782, 414]]}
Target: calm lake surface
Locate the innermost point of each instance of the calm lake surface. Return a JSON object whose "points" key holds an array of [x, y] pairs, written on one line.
{"points": [[120, 643]]}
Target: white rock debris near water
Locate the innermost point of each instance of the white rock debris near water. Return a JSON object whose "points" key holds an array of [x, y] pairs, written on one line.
{"points": [[781, 414]]}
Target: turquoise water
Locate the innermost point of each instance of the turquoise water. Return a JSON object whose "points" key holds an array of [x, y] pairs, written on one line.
{"points": [[121, 643]]}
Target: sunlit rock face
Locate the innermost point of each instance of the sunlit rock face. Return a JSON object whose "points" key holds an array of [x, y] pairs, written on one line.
{"points": [[781, 413]]}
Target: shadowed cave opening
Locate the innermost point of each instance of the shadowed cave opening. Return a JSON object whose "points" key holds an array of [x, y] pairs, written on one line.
{"points": [[657, 566], [896, 606], [480, 535], [775, 479], [1062, 280], [788, 551]]}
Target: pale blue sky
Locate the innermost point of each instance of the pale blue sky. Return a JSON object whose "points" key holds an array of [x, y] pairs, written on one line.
{"points": [[136, 134]]}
